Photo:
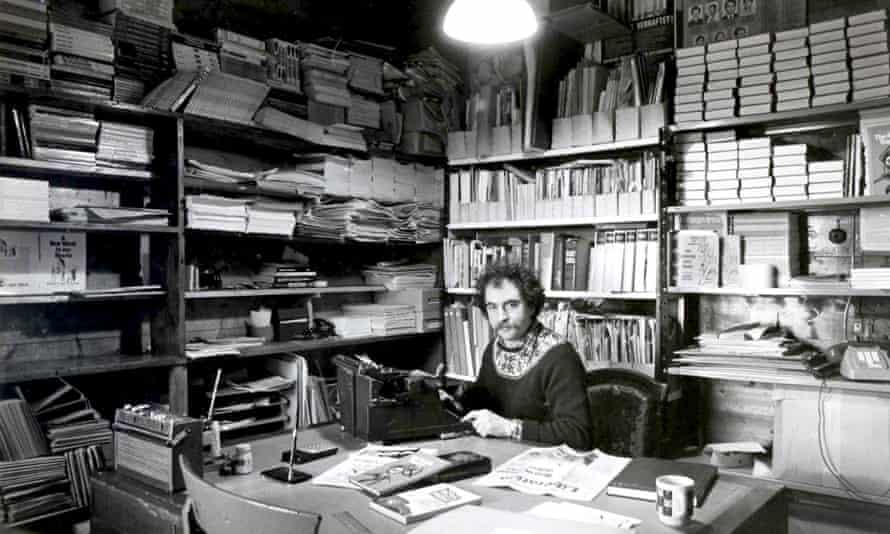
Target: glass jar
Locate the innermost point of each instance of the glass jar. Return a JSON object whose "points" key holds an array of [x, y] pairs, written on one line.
{"points": [[243, 460]]}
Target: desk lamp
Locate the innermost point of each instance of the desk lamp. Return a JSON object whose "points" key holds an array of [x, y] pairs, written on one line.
{"points": [[490, 22]]}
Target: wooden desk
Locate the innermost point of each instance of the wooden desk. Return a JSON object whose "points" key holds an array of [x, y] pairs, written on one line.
{"points": [[734, 505]]}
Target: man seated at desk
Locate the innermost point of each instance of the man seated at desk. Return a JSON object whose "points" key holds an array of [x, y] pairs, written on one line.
{"points": [[531, 384]]}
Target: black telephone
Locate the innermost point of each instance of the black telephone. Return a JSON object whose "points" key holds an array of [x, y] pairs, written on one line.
{"points": [[860, 360], [825, 364]]}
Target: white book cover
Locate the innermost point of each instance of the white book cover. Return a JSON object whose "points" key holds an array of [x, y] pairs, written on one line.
{"points": [[691, 194], [871, 27], [755, 174], [759, 50], [794, 53], [694, 116], [691, 70], [690, 177], [826, 166], [783, 161], [686, 166], [828, 100], [789, 170], [717, 66], [869, 38], [796, 179], [757, 183], [832, 88], [758, 59], [723, 45], [870, 72], [797, 149], [758, 79], [699, 185], [870, 61], [755, 40], [829, 47], [692, 106], [722, 180], [754, 143], [781, 46], [787, 190], [757, 163], [867, 94], [719, 136], [823, 196], [756, 153], [793, 74], [836, 187], [721, 85], [754, 192], [868, 83], [690, 157], [755, 90], [691, 79], [867, 17], [415, 505], [690, 61], [756, 100], [688, 98], [714, 105], [729, 74], [826, 177], [723, 194], [824, 69], [716, 114], [831, 57], [723, 55], [791, 85], [723, 165], [828, 25], [694, 89], [728, 145], [796, 94], [722, 94], [791, 64], [825, 37], [788, 35], [868, 50], [755, 109], [690, 51], [723, 156], [756, 70]]}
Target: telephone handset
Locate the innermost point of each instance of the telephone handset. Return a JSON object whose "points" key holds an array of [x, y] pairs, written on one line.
{"points": [[853, 360]]}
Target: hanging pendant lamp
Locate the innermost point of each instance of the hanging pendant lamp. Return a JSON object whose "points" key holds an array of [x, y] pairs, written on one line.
{"points": [[490, 21]]}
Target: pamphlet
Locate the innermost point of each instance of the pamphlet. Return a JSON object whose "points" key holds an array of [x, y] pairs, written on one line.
{"points": [[369, 458]]}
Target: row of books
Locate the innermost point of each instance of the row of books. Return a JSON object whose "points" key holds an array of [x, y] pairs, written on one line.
{"points": [[606, 261], [467, 333], [370, 221], [66, 416], [717, 168], [579, 189], [822, 64], [605, 339]]}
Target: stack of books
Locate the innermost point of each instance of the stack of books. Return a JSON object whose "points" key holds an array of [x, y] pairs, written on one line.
{"points": [[826, 179], [142, 47], [211, 212], [792, 68], [468, 333], [790, 171], [386, 319], [366, 74], [424, 221], [692, 169], [20, 434], [722, 64], [226, 97], [325, 75], [723, 168], [33, 487], [83, 57], [286, 275], [363, 112], [172, 93], [66, 415], [867, 37], [755, 169], [159, 12], [689, 103], [240, 55], [770, 238], [295, 182], [125, 146], [283, 66], [63, 136], [870, 278], [400, 276], [273, 218], [81, 464], [756, 75], [23, 36], [191, 54], [828, 54], [24, 200]]}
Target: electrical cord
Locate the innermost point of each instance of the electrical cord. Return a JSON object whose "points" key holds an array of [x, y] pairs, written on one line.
{"points": [[828, 461]]}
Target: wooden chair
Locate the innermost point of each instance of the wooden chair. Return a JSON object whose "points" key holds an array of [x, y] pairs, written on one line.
{"points": [[626, 407], [218, 511]]}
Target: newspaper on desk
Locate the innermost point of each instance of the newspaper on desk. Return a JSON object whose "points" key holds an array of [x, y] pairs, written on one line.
{"points": [[370, 457], [559, 471]]}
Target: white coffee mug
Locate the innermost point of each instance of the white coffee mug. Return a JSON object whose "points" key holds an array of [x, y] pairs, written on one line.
{"points": [[674, 499]]}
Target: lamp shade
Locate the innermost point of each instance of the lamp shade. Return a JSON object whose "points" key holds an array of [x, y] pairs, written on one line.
{"points": [[490, 21]]}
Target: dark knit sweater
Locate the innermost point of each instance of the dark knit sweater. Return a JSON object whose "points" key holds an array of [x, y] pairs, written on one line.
{"points": [[549, 398]]}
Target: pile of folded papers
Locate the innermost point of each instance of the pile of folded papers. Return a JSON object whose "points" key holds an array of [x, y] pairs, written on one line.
{"points": [[418, 275], [211, 212], [386, 319]]}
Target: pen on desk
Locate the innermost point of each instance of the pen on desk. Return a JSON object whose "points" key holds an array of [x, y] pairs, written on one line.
{"points": [[213, 394], [293, 455]]}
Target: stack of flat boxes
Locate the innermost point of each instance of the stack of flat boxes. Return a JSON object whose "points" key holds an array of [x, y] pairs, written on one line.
{"points": [[790, 172], [689, 96], [723, 167], [867, 38], [826, 179], [755, 169], [756, 75], [831, 70], [692, 169], [722, 64], [792, 68]]}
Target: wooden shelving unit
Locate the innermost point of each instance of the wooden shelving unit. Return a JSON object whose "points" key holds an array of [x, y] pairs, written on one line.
{"points": [[328, 343], [253, 293], [38, 168], [11, 372], [831, 204], [781, 292], [571, 294], [65, 298], [787, 378], [555, 223], [590, 150], [88, 227]]}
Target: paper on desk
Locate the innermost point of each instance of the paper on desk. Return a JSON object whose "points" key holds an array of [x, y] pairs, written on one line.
{"points": [[558, 471], [751, 447], [370, 457], [583, 514]]}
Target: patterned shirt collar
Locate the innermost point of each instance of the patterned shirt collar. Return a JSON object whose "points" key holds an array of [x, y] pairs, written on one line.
{"points": [[515, 363]]}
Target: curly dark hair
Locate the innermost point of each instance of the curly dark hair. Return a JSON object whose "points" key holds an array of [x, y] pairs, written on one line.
{"points": [[530, 289]]}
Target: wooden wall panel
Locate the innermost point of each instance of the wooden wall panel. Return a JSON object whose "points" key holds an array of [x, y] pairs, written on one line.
{"points": [[739, 412]]}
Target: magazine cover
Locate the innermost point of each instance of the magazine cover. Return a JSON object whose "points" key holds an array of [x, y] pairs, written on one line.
{"points": [[410, 506]]}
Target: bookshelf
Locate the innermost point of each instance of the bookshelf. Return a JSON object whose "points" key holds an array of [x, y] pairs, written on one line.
{"points": [[571, 294], [253, 293], [11, 372], [554, 223], [590, 150]]}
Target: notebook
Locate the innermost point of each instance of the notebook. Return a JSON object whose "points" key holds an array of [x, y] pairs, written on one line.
{"points": [[637, 480], [415, 505], [400, 474]]}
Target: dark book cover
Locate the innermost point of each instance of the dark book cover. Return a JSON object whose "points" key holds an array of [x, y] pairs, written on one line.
{"points": [[637, 480], [558, 262], [582, 263]]}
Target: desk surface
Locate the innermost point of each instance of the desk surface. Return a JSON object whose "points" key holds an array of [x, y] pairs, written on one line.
{"points": [[735, 504]]}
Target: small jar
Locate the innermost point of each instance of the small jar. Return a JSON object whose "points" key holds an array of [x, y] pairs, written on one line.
{"points": [[243, 460]]}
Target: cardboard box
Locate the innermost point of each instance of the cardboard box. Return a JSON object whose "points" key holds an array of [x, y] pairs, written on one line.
{"points": [[627, 124]]}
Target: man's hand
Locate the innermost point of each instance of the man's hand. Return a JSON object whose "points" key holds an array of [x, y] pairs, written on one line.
{"points": [[487, 423]]}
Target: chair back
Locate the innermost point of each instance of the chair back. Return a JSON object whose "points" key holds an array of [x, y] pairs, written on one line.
{"points": [[626, 407], [218, 511]]}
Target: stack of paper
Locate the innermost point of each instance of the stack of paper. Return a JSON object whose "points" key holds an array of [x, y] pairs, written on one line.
{"points": [[23, 39], [363, 112], [790, 171], [215, 173], [386, 319], [241, 55], [325, 74], [692, 169], [689, 102], [104, 215], [125, 146], [722, 63], [756, 75], [873, 278], [401, 276], [275, 218], [826, 179], [226, 97], [357, 219], [750, 340], [221, 347], [294, 181], [63, 136], [828, 54], [67, 416], [723, 167], [83, 59], [33, 487], [20, 435], [24, 200], [419, 223], [755, 169], [286, 275], [792, 68], [210, 212], [867, 39], [352, 325]]}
